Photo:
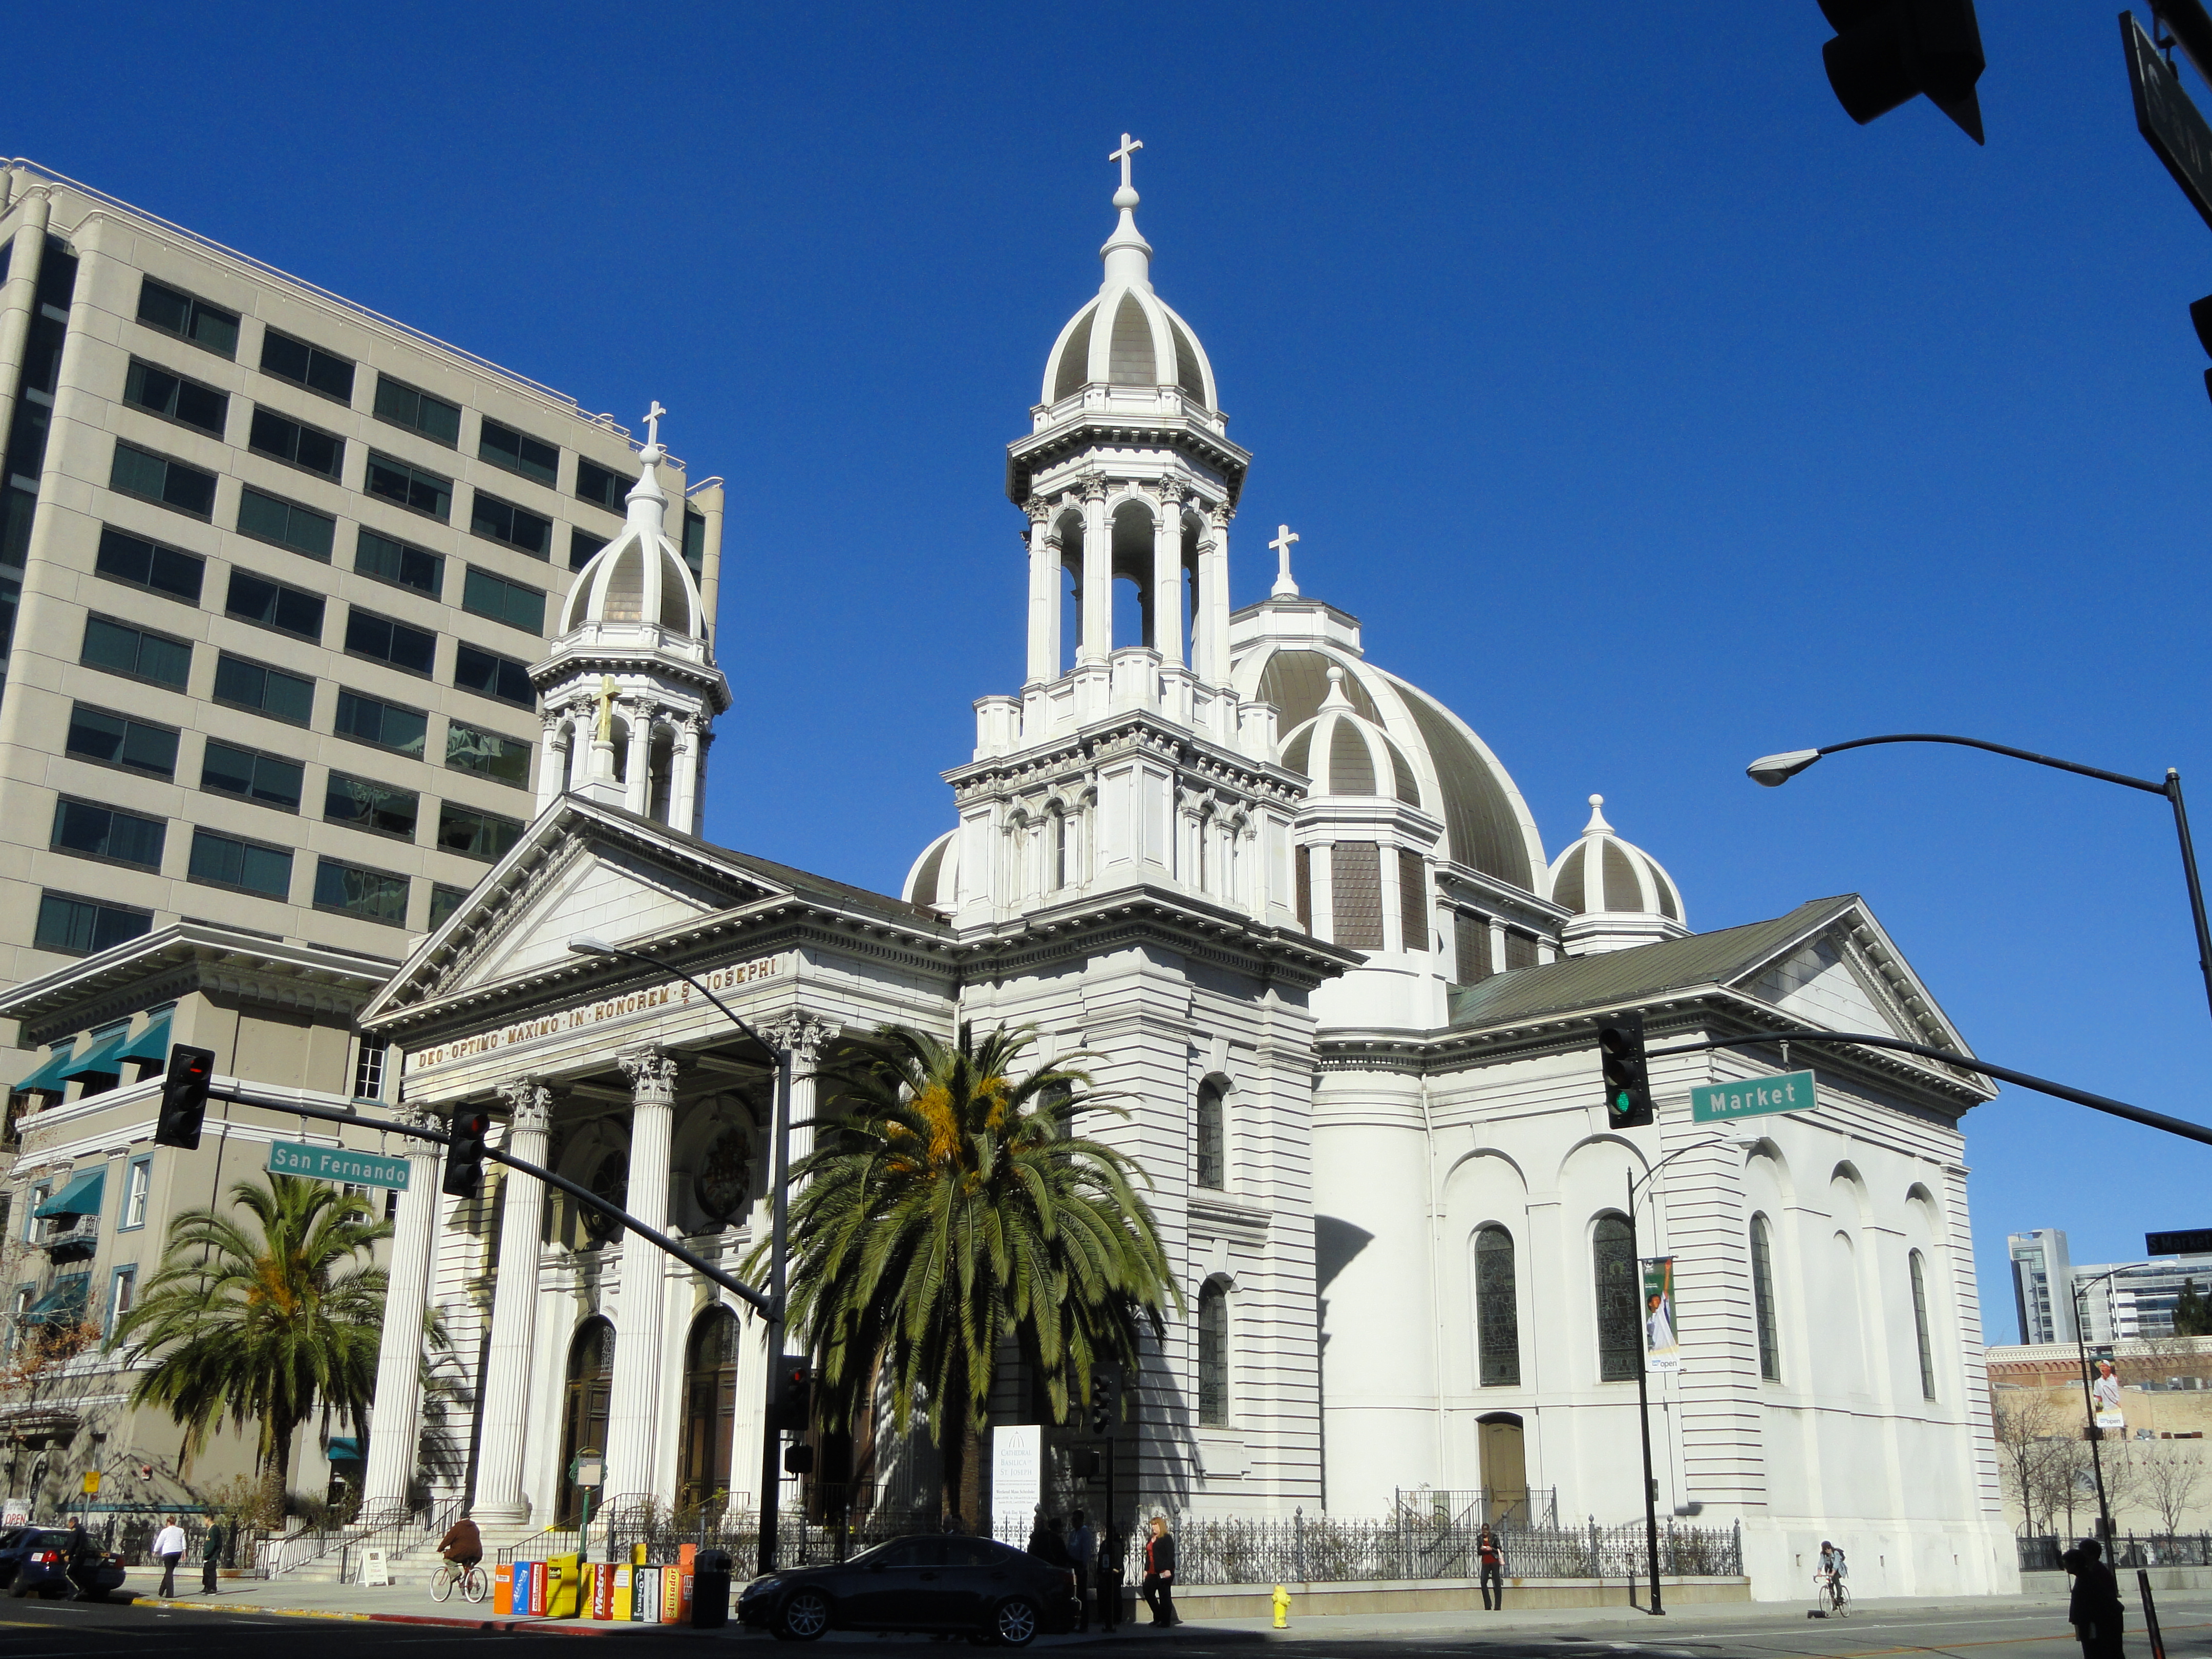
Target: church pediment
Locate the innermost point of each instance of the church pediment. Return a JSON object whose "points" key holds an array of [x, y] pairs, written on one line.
{"points": [[1846, 974]]}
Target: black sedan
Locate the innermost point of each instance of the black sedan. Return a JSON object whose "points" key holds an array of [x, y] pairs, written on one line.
{"points": [[34, 1561], [970, 1586]]}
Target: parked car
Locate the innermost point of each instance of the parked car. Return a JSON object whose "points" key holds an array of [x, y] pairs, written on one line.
{"points": [[35, 1561], [971, 1586]]}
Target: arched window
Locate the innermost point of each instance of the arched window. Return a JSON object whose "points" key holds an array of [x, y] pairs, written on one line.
{"points": [[1762, 1299], [584, 1408], [1213, 1356], [1210, 1139], [710, 1408], [1058, 825], [1920, 1325], [1496, 1311], [1613, 1258]]}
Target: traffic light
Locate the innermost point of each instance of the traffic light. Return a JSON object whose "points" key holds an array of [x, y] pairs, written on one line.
{"points": [[799, 1459], [1627, 1084], [1105, 1399], [464, 1153], [795, 1394], [1886, 52], [184, 1097]]}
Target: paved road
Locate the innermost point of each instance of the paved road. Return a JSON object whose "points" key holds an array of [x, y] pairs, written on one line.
{"points": [[2023, 1628]]}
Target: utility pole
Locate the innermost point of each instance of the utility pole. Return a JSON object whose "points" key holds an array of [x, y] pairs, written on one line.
{"points": [[1643, 1417], [772, 1416]]}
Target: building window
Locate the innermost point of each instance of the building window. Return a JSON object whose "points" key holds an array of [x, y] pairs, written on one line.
{"points": [[1412, 900], [695, 542], [309, 448], [272, 519], [388, 726], [1762, 1299], [137, 652], [380, 639], [475, 835], [39, 1192], [368, 1068], [491, 675], [94, 831], [418, 411], [518, 452], [582, 546], [247, 866], [81, 927], [444, 901], [1619, 1329], [1920, 1324], [306, 365], [210, 327], [265, 780], [137, 1182], [512, 602], [108, 739], [1497, 1309], [174, 398], [1355, 874], [1211, 1162], [410, 487], [1304, 862], [247, 685], [370, 894], [271, 605], [1213, 1356], [1470, 948], [153, 477], [596, 484], [381, 559], [122, 1292], [503, 521], [488, 754], [148, 565], [1520, 951], [376, 807]]}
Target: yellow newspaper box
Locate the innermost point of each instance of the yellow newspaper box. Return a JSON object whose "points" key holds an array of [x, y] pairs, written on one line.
{"points": [[564, 1581]]}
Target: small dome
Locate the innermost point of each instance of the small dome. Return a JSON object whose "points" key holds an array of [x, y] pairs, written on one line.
{"points": [[640, 576], [1127, 335], [1619, 893], [1345, 752]]}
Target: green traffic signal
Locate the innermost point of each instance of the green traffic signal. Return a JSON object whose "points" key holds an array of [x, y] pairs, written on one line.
{"points": [[1621, 1055]]}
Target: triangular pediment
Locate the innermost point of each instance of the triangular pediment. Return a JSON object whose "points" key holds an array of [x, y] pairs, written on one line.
{"points": [[1845, 974]]}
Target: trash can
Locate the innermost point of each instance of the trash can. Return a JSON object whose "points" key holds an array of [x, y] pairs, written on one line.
{"points": [[710, 1589]]}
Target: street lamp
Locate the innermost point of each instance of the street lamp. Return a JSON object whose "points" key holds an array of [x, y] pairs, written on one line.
{"points": [[2089, 1398], [1774, 770], [589, 944]]}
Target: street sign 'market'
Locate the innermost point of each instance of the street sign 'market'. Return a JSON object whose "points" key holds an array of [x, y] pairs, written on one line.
{"points": [[1718, 1103]]}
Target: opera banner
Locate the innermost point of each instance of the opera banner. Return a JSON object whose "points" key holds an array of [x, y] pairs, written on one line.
{"points": [[1663, 1348], [2105, 1408]]}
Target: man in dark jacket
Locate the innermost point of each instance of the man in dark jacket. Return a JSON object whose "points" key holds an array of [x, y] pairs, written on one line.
{"points": [[2096, 1611], [210, 1558], [81, 1556], [1111, 1550]]}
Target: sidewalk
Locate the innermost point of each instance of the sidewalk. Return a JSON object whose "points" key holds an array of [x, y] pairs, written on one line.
{"points": [[403, 1604]]}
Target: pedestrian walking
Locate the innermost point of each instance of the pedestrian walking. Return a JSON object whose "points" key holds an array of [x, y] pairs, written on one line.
{"points": [[1491, 1554], [80, 1555], [1159, 1577], [1113, 1551], [210, 1558], [168, 1550], [1083, 1546], [2096, 1611]]}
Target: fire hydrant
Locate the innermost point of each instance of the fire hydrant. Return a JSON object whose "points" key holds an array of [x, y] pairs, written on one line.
{"points": [[1282, 1608]]}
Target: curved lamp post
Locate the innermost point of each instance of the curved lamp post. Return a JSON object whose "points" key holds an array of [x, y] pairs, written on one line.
{"points": [[1774, 770], [2089, 1398]]}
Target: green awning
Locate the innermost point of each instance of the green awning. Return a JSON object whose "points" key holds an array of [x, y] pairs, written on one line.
{"points": [[103, 1058], [48, 1076], [344, 1448], [152, 1044], [81, 1197], [63, 1304]]}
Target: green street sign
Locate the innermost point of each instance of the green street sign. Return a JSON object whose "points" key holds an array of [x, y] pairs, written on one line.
{"points": [[296, 1158], [1720, 1103]]}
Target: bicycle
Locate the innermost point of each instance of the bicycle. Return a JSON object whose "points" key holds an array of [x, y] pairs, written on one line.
{"points": [[1829, 1588], [473, 1582]]}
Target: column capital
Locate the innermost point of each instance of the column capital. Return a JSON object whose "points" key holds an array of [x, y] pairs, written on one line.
{"points": [[529, 1104], [652, 1073], [1218, 514], [804, 1033], [417, 1117], [1094, 486], [1172, 491], [1039, 509]]}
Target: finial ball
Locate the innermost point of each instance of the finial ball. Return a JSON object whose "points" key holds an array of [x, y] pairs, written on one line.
{"points": [[1126, 197], [1597, 800]]}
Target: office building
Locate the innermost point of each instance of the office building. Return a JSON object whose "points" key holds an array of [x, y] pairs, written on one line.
{"points": [[2042, 1279]]}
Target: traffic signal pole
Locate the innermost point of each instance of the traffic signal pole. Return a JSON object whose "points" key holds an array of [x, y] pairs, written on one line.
{"points": [[1644, 1415], [771, 1417]]}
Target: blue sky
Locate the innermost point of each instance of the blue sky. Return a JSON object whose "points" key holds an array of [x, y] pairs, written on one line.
{"points": [[1642, 406]]}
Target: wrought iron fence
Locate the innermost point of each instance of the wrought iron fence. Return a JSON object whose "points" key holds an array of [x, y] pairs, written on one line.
{"points": [[2188, 1549]]}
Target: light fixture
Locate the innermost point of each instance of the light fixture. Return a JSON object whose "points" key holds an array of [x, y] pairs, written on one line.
{"points": [[1774, 770], [590, 944]]}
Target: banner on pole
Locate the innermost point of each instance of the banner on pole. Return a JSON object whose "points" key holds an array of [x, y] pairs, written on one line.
{"points": [[1662, 1349], [2106, 1409]]}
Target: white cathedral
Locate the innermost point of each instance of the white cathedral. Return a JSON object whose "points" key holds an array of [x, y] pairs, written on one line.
{"points": [[1305, 922]]}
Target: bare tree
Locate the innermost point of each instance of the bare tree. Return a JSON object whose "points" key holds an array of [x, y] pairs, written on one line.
{"points": [[2169, 1475], [2023, 1421]]}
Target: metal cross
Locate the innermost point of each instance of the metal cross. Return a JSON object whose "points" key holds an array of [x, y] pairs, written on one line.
{"points": [[653, 422], [1129, 147]]}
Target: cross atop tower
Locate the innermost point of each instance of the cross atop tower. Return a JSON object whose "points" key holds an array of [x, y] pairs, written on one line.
{"points": [[1284, 588], [1129, 148], [653, 422]]}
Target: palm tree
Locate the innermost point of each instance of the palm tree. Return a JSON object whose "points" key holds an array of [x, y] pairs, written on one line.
{"points": [[950, 1210], [263, 1313]]}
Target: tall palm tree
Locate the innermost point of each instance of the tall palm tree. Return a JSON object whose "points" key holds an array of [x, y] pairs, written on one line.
{"points": [[264, 1312], [950, 1210]]}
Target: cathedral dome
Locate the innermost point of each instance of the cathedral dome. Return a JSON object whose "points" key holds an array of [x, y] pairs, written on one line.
{"points": [[1618, 893], [640, 576], [1345, 753]]}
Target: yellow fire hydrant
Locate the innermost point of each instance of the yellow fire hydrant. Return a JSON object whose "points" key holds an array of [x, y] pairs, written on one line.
{"points": [[1282, 1608]]}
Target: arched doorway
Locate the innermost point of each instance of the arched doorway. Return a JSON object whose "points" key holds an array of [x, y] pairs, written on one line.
{"points": [[584, 1409], [1505, 1470], [710, 1408]]}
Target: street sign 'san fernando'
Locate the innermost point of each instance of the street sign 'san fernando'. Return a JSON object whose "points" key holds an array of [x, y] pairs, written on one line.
{"points": [[297, 1157]]}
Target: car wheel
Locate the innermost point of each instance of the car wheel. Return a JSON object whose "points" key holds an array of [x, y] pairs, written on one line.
{"points": [[18, 1590], [1015, 1624], [806, 1616]]}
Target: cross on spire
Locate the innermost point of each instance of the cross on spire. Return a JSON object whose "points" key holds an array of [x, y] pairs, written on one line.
{"points": [[1284, 588], [653, 422], [1129, 148]]}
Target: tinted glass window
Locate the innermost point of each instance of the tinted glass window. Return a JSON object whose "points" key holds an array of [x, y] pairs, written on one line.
{"points": [[148, 565], [408, 649], [173, 312], [386, 725], [308, 366], [267, 690], [106, 832], [512, 602], [371, 894], [269, 780], [468, 749], [153, 477], [417, 410], [503, 521], [476, 834], [444, 901], [581, 545], [83, 926], [518, 452], [226, 862], [122, 649], [256, 599], [366, 805], [174, 398], [110, 739], [491, 675], [595, 484], [308, 447], [287, 523], [410, 487], [396, 563]]}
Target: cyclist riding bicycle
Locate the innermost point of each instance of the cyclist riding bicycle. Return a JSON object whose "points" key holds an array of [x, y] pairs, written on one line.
{"points": [[1829, 1579], [463, 1545]]}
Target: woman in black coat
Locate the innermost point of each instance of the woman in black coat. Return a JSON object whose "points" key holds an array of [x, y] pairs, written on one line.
{"points": [[2096, 1611], [1160, 1576]]}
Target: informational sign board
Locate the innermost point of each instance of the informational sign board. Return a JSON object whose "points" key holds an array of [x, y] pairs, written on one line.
{"points": [[2176, 132], [1722, 1103], [297, 1157], [1016, 1477], [91, 1483], [14, 1511], [2194, 1241], [375, 1568], [1662, 1344]]}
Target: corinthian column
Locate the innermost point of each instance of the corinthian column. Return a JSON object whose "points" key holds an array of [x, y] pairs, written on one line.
{"points": [[637, 774], [396, 1421], [634, 1412], [804, 1035], [508, 1396], [1097, 607]]}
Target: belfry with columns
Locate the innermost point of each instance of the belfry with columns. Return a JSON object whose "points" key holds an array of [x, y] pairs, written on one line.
{"points": [[1300, 922]]}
